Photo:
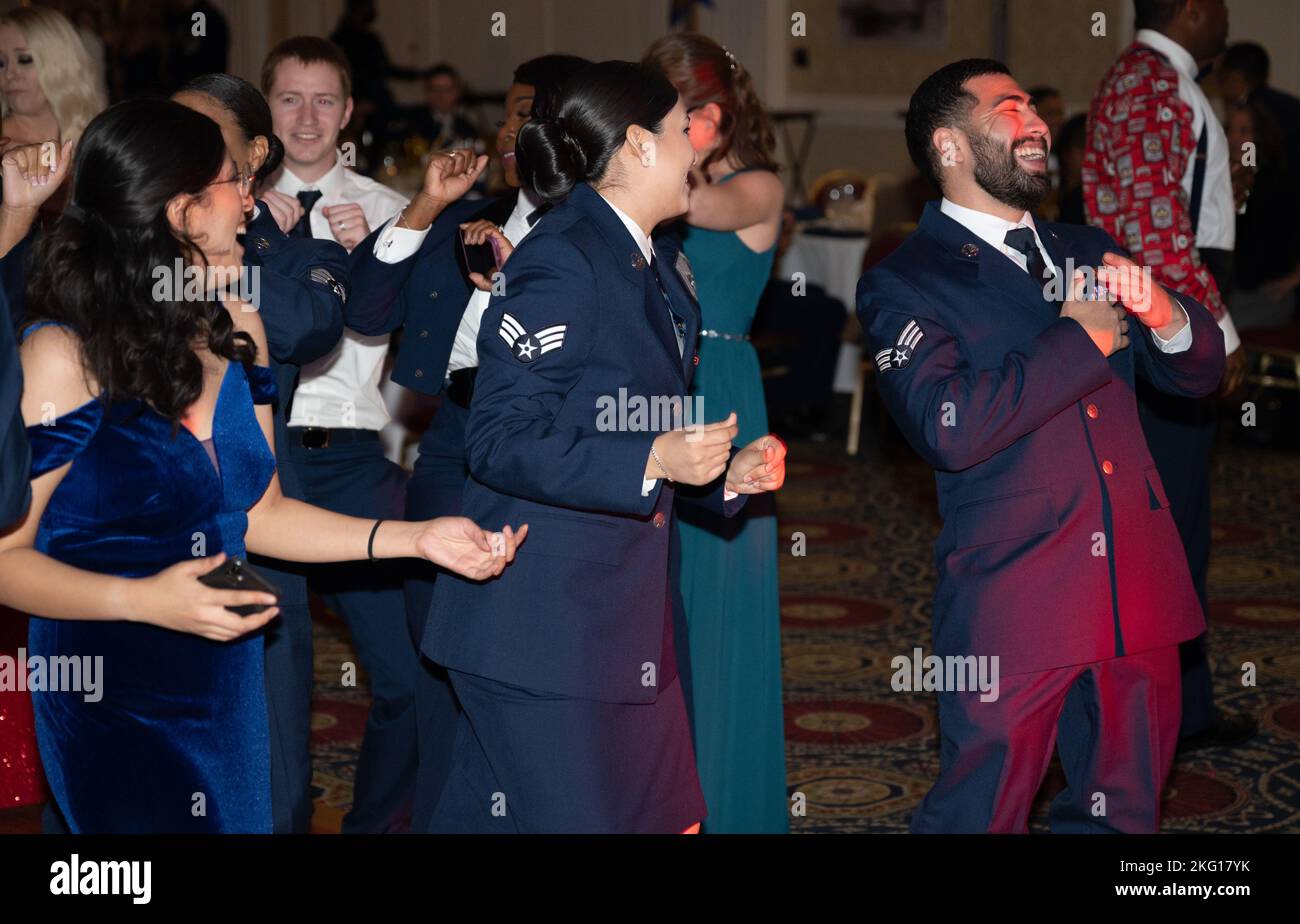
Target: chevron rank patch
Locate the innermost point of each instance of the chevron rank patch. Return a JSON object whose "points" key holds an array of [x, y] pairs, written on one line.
{"points": [[325, 277], [526, 347], [900, 354]]}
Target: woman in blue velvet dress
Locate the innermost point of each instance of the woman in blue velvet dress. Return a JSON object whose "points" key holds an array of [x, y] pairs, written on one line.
{"points": [[729, 571], [152, 461]]}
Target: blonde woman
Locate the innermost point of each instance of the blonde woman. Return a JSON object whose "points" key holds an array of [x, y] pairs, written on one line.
{"points": [[49, 91], [50, 88]]}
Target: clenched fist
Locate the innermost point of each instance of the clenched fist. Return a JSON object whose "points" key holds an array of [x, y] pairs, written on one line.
{"points": [[696, 455]]}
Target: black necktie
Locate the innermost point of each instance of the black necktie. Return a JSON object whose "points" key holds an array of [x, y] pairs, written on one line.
{"points": [[1022, 239], [679, 326], [308, 198], [537, 213]]}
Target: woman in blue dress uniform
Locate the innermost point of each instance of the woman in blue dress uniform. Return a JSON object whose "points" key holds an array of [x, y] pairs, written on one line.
{"points": [[152, 461], [573, 717]]}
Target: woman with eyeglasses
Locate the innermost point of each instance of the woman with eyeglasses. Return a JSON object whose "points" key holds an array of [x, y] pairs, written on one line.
{"points": [[152, 464], [302, 288]]}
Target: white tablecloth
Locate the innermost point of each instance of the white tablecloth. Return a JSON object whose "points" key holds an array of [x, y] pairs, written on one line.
{"points": [[834, 263]]}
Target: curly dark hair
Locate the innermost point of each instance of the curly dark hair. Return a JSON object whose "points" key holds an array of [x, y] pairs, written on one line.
{"points": [[96, 271]]}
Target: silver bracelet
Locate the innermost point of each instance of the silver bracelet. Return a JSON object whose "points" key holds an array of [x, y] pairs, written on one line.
{"points": [[659, 462]]}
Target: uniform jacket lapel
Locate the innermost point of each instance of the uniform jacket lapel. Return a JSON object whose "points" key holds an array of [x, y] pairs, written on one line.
{"points": [[632, 264], [986, 262], [684, 305]]}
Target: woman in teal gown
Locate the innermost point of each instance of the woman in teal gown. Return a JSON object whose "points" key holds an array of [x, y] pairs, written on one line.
{"points": [[729, 567]]}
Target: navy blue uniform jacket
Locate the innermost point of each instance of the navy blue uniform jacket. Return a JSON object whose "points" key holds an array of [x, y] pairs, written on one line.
{"points": [[1057, 545], [15, 454], [427, 292], [302, 287], [581, 611]]}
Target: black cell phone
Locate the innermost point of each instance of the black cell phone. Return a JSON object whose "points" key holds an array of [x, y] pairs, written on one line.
{"points": [[237, 574], [479, 258]]}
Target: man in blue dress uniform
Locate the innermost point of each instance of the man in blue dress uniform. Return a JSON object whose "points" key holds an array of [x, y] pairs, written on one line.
{"points": [[302, 289], [1013, 375]]}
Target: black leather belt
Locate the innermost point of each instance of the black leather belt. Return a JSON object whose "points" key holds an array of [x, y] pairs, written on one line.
{"points": [[460, 386], [320, 437]]}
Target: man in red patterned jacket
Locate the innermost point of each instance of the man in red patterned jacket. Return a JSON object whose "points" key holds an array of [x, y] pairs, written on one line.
{"points": [[1156, 177]]}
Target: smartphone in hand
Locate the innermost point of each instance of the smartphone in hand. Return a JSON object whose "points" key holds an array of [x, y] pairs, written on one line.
{"points": [[237, 574], [484, 258]]}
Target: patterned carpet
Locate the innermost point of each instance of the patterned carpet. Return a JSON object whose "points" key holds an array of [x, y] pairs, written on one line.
{"points": [[864, 755]]}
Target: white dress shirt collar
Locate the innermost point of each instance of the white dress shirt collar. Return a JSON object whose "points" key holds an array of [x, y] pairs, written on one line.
{"points": [[330, 185], [642, 239], [989, 228], [526, 203], [1178, 56]]}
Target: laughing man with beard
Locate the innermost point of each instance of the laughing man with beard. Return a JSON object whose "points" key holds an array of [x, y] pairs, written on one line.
{"points": [[1012, 374]]}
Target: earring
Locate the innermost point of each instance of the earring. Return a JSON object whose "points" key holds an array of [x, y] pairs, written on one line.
{"points": [[647, 155]]}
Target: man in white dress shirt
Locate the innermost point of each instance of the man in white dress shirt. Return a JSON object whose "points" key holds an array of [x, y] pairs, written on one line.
{"points": [[337, 410], [1157, 177]]}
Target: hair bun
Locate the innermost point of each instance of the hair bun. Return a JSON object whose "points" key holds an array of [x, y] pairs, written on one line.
{"points": [[551, 160], [576, 150]]}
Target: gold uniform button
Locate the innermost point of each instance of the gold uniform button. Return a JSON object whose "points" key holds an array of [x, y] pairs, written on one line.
{"points": [[1108, 467], [419, 373], [433, 295], [424, 335], [659, 520], [1092, 411]]}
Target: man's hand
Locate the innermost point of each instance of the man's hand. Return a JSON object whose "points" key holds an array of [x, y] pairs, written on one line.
{"points": [[1132, 285], [286, 210], [1104, 322], [347, 223], [758, 467]]}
